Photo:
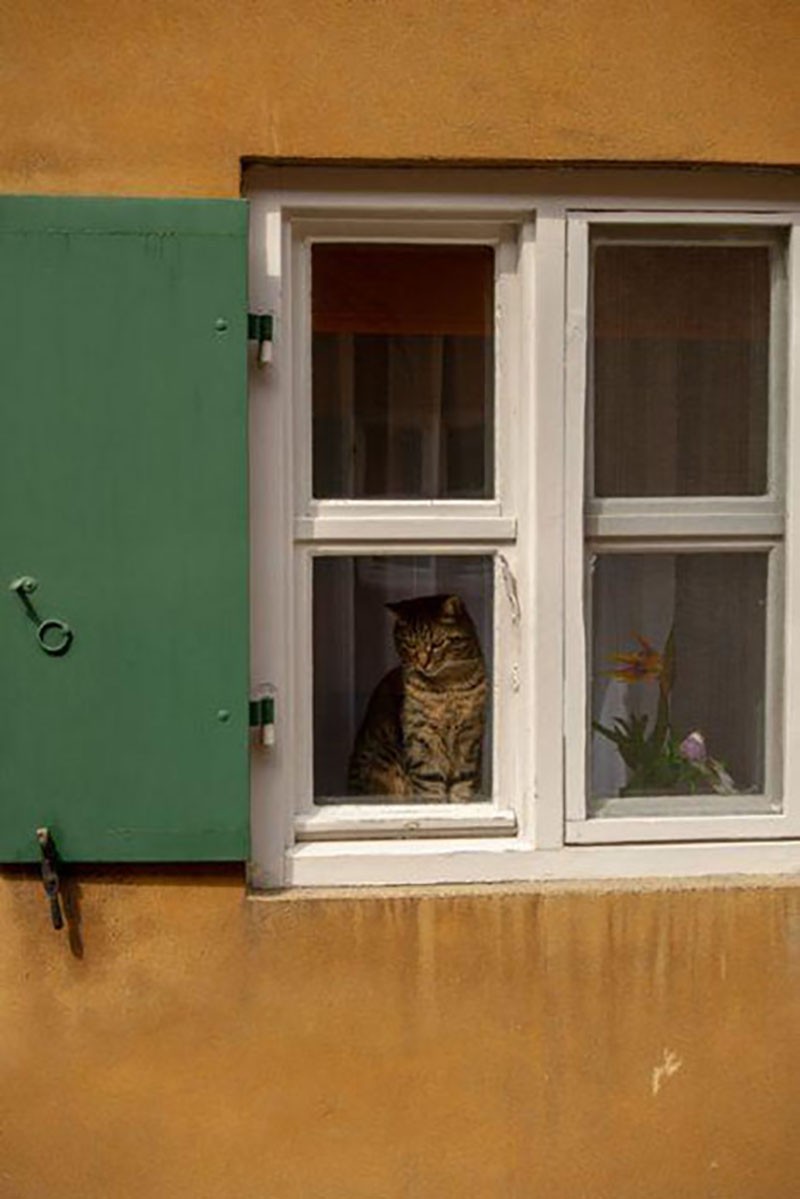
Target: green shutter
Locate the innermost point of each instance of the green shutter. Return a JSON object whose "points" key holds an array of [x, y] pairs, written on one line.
{"points": [[123, 489]]}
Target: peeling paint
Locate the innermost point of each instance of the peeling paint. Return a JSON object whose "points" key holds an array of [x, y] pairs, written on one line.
{"points": [[669, 1066], [510, 584]]}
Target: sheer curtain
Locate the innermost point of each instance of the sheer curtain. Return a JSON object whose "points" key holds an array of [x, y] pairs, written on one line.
{"points": [[715, 605], [679, 380], [402, 371], [403, 408]]}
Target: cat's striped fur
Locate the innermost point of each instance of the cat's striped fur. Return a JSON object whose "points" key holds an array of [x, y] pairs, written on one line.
{"points": [[422, 734]]}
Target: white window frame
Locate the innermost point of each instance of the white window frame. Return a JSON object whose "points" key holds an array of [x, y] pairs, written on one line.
{"points": [[538, 829], [719, 524]]}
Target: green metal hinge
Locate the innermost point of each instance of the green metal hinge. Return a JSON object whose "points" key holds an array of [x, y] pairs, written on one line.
{"points": [[262, 717], [260, 327]]}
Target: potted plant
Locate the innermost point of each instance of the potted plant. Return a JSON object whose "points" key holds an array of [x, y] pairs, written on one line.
{"points": [[657, 760]]}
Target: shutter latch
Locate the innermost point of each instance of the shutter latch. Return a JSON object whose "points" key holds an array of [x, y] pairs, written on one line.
{"points": [[259, 328], [262, 716], [50, 877]]}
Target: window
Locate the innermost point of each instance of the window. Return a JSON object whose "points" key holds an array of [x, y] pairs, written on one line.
{"points": [[680, 378], [522, 491]]}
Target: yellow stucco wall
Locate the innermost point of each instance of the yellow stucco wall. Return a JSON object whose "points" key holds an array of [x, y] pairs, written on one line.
{"points": [[504, 1044], [165, 96]]}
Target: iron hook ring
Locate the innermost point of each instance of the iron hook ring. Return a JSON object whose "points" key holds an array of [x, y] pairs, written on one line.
{"points": [[61, 646]]}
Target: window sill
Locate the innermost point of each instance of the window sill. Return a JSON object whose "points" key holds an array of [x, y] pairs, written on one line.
{"points": [[356, 822], [514, 860]]}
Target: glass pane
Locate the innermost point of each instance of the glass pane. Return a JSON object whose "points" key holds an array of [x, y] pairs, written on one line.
{"points": [[402, 371], [402, 670], [678, 674], [679, 369]]}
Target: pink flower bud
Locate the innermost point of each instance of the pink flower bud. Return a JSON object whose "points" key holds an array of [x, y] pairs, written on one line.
{"points": [[693, 747]]}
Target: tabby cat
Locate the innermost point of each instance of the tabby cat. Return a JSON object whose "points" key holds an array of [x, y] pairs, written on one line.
{"points": [[422, 733]]}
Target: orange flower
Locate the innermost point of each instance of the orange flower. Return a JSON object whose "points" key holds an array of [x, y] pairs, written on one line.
{"points": [[639, 665]]}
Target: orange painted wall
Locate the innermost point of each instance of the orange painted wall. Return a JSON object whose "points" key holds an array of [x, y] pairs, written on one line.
{"points": [[164, 97], [514, 1043]]}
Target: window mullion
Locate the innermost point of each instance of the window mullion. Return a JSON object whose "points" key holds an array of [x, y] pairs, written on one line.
{"points": [[377, 530], [790, 650], [702, 518]]}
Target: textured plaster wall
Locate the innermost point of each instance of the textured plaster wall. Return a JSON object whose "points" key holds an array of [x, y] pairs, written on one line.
{"points": [[506, 1045], [499, 1046], [165, 96]]}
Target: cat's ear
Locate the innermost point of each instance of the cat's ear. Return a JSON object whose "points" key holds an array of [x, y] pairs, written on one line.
{"points": [[398, 607], [452, 607]]}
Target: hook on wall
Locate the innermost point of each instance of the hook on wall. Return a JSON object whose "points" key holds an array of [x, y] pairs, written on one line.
{"points": [[54, 636]]}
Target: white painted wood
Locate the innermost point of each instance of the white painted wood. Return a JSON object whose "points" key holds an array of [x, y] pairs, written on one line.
{"points": [[774, 694], [365, 545], [513, 860], [535, 529], [407, 509], [334, 527], [790, 726], [388, 529], [272, 617], [512, 420], [445, 227], [302, 798], [542, 544], [633, 544], [664, 524], [301, 407], [575, 457], [692, 808], [661, 526], [739, 221], [719, 826], [348, 820], [779, 365]]}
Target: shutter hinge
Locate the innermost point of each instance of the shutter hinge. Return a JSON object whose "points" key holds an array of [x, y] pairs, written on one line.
{"points": [[260, 327], [262, 718]]}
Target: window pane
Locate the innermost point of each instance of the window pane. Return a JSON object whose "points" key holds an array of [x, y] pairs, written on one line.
{"points": [[678, 673], [402, 670], [679, 369], [402, 371]]}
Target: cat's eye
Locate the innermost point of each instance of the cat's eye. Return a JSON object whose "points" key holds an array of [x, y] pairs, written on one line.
{"points": [[402, 371]]}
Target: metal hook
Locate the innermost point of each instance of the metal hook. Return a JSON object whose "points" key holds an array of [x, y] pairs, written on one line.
{"points": [[24, 586], [62, 645], [50, 877]]}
